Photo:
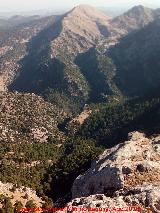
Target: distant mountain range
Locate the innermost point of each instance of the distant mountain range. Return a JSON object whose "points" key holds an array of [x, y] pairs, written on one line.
{"points": [[78, 56], [7, 23]]}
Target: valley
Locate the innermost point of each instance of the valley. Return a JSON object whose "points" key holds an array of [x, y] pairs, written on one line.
{"points": [[80, 110]]}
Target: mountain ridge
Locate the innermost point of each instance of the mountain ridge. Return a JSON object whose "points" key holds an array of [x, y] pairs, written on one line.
{"points": [[74, 33], [84, 81]]}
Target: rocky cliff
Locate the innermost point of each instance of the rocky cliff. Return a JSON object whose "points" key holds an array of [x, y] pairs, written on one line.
{"points": [[125, 175]]}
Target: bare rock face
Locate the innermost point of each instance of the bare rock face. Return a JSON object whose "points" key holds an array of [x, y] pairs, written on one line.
{"points": [[134, 199], [126, 175]]}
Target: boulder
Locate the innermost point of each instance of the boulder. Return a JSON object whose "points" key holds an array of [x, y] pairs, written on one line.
{"points": [[125, 175]]}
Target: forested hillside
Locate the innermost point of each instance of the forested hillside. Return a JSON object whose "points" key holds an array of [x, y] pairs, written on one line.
{"points": [[110, 123], [43, 67], [71, 86], [136, 60]]}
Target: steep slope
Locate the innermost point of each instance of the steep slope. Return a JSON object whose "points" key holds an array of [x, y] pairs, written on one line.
{"points": [[102, 70], [131, 65], [134, 19], [52, 54], [81, 28], [136, 59], [28, 118], [52, 60], [13, 47]]}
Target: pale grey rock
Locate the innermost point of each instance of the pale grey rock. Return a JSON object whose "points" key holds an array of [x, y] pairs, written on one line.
{"points": [[109, 171], [125, 175], [141, 197]]}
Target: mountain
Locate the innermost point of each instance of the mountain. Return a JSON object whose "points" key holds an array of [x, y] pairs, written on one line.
{"points": [[78, 31], [13, 47], [14, 21], [136, 18], [49, 55], [53, 67], [81, 27], [62, 74], [3, 22], [136, 61], [18, 19]]}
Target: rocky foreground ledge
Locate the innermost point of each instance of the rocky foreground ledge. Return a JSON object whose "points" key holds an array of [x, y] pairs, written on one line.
{"points": [[126, 175]]}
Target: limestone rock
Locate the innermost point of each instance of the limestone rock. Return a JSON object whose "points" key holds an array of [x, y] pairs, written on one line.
{"points": [[146, 198], [127, 174], [22, 194]]}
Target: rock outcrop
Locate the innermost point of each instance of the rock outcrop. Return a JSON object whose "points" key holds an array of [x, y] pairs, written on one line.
{"points": [[125, 175], [22, 194]]}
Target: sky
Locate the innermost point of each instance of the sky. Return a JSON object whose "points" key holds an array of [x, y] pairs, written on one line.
{"points": [[26, 5]]}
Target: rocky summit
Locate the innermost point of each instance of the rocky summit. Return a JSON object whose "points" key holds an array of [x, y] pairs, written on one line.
{"points": [[126, 175], [81, 28]]}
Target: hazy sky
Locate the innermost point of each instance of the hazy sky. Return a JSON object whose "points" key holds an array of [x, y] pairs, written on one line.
{"points": [[25, 5]]}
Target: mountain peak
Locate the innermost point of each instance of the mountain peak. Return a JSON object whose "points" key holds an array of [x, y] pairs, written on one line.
{"points": [[135, 18], [139, 9], [89, 11], [81, 28], [83, 6]]}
